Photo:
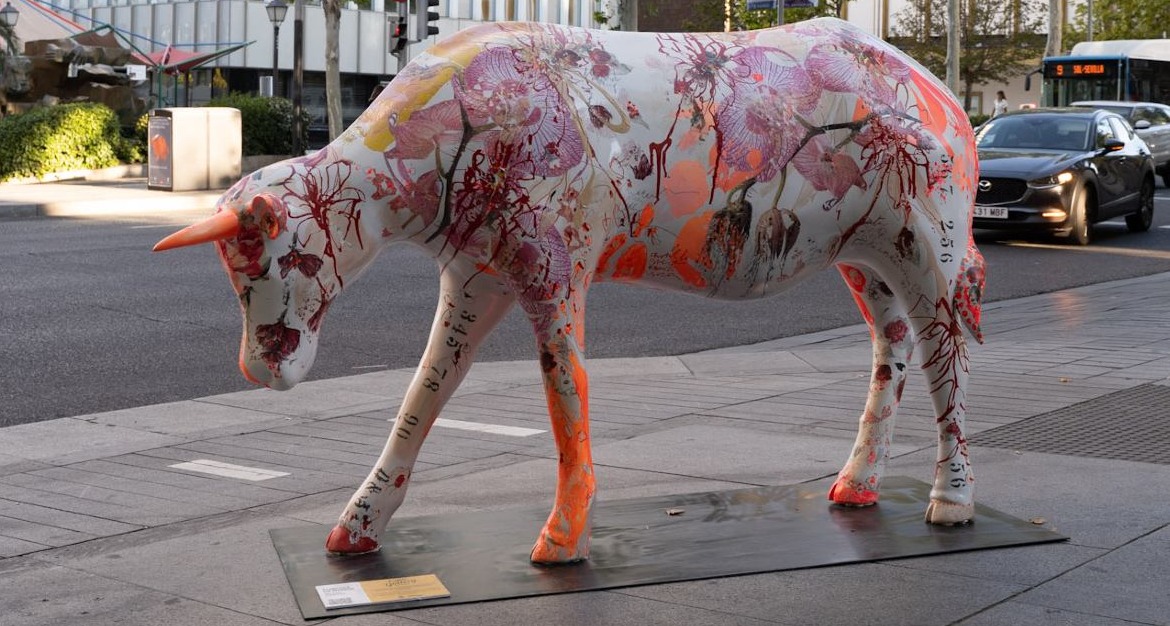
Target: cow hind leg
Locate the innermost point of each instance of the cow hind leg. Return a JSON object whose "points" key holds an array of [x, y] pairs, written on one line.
{"points": [[929, 300], [944, 357], [469, 308], [560, 340], [858, 482]]}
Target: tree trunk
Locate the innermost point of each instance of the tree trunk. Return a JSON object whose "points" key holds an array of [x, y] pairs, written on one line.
{"points": [[953, 30], [332, 66], [1055, 28]]}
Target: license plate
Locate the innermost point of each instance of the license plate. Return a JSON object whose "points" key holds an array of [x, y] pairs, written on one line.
{"points": [[993, 212]]}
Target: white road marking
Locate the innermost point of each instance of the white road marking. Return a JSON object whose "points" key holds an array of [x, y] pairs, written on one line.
{"points": [[1094, 249], [228, 470], [495, 429]]}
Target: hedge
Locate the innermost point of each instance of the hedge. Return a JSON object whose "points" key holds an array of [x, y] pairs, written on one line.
{"points": [[60, 138], [267, 122]]}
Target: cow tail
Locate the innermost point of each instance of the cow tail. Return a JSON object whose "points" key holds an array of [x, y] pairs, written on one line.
{"points": [[968, 297]]}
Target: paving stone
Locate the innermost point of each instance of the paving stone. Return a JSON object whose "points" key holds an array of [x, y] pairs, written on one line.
{"points": [[1019, 613], [155, 471], [583, 609], [305, 400], [865, 593], [55, 517], [80, 476], [1023, 565], [75, 440], [1126, 584], [11, 546], [299, 480], [12, 465], [128, 509], [731, 453], [123, 506], [41, 534], [237, 568], [1107, 505], [50, 595], [185, 418]]}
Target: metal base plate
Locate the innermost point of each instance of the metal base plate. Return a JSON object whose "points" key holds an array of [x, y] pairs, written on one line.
{"points": [[484, 556]]}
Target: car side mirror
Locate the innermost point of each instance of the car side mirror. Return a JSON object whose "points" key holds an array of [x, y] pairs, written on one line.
{"points": [[1113, 145], [1141, 124]]}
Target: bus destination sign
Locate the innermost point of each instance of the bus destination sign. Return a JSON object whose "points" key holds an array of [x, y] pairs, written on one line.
{"points": [[1080, 69]]}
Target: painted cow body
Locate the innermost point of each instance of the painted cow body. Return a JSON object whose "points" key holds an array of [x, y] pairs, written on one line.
{"points": [[531, 160]]}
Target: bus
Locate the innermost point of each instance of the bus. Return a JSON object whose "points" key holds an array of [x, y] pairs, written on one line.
{"points": [[1126, 69]]}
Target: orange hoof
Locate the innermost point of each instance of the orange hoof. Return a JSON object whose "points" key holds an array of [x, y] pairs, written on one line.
{"points": [[547, 553], [849, 494], [342, 541]]}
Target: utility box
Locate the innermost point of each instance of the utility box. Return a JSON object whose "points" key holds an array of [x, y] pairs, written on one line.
{"points": [[193, 148]]}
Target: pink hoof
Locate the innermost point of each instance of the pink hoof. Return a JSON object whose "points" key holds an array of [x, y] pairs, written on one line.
{"points": [[848, 494], [340, 541]]}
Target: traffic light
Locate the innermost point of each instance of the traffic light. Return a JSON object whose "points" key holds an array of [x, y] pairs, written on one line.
{"points": [[398, 35], [424, 26]]}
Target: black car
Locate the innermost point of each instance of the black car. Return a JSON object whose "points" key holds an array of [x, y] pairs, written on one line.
{"points": [[1059, 171], [1151, 122]]}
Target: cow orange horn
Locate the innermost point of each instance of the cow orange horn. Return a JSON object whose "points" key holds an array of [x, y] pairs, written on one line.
{"points": [[222, 225]]}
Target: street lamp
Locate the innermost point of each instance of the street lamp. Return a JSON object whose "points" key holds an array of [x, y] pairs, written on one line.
{"points": [[276, 12], [9, 15]]}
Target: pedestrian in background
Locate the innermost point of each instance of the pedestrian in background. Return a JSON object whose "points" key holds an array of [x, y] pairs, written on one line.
{"points": [[1000, 106]]}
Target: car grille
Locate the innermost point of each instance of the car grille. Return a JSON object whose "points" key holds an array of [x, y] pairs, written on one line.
{"points": [[1001, 191]]}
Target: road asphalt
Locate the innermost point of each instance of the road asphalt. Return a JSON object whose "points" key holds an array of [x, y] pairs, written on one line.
{"points": [[129, 517]]}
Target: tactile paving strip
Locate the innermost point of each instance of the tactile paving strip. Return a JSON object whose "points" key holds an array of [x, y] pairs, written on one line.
{"points": [[1128, 425]]}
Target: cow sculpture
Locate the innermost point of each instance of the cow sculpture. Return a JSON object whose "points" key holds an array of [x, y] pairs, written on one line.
{"points": [[531, 160]]}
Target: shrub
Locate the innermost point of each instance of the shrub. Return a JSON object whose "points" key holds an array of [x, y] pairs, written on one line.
{"points": [[58, 139], [267, 122], [132, 147], [978, 119]]}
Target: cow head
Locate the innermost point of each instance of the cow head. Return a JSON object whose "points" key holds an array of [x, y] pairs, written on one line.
{"points": [[285, 256]]}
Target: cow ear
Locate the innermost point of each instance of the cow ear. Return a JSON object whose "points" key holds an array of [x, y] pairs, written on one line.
{"points": [[270, 214]]}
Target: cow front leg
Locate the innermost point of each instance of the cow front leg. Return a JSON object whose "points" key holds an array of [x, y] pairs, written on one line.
{"points": [[560, 341], [858, 482], [468, 311]]}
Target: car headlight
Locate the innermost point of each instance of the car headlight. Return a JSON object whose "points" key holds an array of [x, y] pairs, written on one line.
{"points": [[1051, 181]]}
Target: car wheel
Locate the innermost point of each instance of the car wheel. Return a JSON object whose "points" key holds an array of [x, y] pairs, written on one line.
{"points": [[1081, 233], [1140, 222]]}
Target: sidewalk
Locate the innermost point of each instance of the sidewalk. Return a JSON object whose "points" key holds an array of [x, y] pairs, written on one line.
{"points": [[127, 196], [97, 527]]}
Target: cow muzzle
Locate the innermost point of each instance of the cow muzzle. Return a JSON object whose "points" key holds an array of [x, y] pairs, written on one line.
{"points": [[222, 225]]}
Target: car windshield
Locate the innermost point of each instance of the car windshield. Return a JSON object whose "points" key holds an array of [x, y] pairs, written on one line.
{"points": [[1035, 132]]}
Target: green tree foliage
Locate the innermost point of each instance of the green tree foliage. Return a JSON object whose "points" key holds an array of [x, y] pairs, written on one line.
{"points": [[1000, 39], [710, 15], [1119, 19]]}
